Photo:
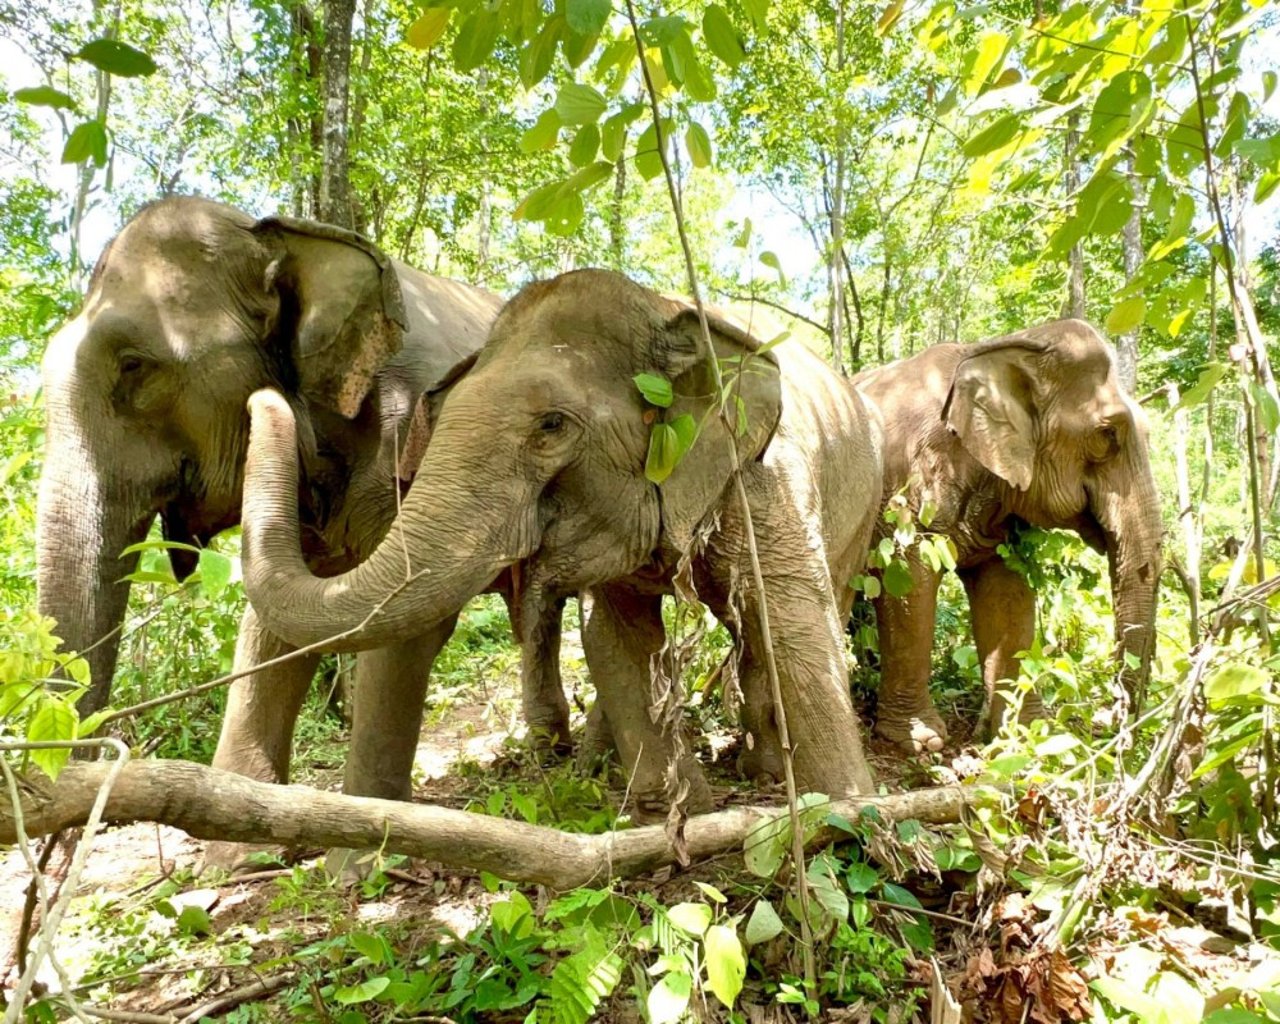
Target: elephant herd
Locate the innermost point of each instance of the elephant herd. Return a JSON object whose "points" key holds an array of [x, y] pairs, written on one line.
{"points": [[411, 442]]}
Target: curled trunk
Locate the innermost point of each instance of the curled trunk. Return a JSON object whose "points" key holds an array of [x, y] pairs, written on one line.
{"points": [[465, 519]]}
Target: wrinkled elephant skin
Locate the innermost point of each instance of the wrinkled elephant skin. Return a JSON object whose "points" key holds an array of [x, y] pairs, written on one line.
{"points": [[536, 463], [191, 308], [1033, 426]]}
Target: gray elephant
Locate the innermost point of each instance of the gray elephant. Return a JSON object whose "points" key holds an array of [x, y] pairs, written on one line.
{"points": [[191, 308], [1033, 426], [537, 466]]}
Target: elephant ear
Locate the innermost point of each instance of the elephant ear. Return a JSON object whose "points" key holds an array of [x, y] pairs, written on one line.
{"points": [[991, 408], [341, 298], [696, 486]]}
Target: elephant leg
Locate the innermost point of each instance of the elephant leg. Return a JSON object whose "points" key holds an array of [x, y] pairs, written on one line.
{"points": [[546, 712], [257, 727], [905, 713], [622, 633], [596, 745], [1003, 608], [391, 684]]}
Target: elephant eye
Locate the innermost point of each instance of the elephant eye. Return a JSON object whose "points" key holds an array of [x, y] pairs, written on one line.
{"points": [[130, 363], [551, 421]]}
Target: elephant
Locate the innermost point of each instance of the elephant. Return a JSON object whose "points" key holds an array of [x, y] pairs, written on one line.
{"points": [[192, 307], [1033, 427], [537, 466]]}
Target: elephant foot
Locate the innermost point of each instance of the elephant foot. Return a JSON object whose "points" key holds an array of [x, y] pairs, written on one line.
{"points": [[240, 858], [923, 732]]}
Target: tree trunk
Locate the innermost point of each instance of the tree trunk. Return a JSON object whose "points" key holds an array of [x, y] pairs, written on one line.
{"points": [[617, 232], [335, 172], [835, 266], [359, 212], [1075, 305], [209, 803], [1127, 344], [306, 71]]}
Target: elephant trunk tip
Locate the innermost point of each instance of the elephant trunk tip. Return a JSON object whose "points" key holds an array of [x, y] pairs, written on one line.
{"points": [[268, 407]]}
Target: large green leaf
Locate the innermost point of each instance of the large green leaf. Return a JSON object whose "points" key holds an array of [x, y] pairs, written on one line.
{"points": [[579, 104], [542, 134], [726, 963], [45, 96], [721, 36], [587, 17], [763, 924], [998, 133], [537, 57], [476, 39], [1235, 679], [669, 998], [371, 988], [87, 141], [983, 59], [54, 720], [698, 142], [427, 28], [117, 58], [1127, 315], [585, 145]]}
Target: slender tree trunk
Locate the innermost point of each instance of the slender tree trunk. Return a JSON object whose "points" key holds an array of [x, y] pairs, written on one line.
{"points": [[884, 301], [617, 232], [835, 266], [859, 318], [335, 171], [87, 169], [1131, 243], [1075, 305], [484, 213], [306, 73], [359, 213]]}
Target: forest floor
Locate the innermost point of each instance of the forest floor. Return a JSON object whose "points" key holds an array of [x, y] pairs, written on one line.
{"points": [[146, 935]]}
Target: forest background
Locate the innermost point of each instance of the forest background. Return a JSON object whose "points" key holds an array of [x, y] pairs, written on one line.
{"points": [[887, 176]]}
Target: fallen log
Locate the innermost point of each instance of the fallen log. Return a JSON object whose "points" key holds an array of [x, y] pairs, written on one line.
{"points": [[212, 804]]}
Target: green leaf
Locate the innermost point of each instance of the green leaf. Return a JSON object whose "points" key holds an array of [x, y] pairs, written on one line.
{"points": [[1200, 390], [54, 720], [1127, 315], [542, 134], [686, 430], [1269, 79], [362, 993], [663, 455], [579, 104], [585, 145], [982, 60], [899, 896], [669, 998], [215, 572], [999, 133], [726, 963], [45, 96], [194, 920], [698, 142], [427, 29], [648, 161], [613, 137], [475, 40], [770, 260], [757, 12], [861, 877], [1265, 405], [117, 58], [711, 892], [369, 946], [1232, 1015], [692, 918], [765, 847], [763, 924], [536, 58], [587, 17], [1234, 679], [656, 390], [1123, 108], [87, 141], [1263, 152], [721, 36], [513, 915], [896, 578]]}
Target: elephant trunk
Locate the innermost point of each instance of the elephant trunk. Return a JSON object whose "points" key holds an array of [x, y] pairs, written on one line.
{"points": [[1133, 529], [83, 524], [463, 522]]}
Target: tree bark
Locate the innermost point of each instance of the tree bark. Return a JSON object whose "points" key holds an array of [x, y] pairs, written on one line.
{"points": [[306, 69], [335, 171], [835, 266], [1075, 305], [212, 804], [1131, 243]]}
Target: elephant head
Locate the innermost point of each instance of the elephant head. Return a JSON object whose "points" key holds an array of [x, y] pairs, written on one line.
{"points": [[191, 308], [537, 460], [1044, 411]]}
